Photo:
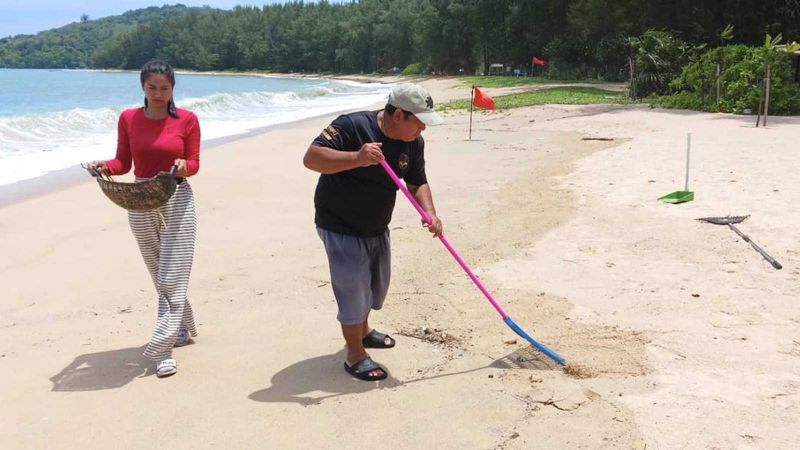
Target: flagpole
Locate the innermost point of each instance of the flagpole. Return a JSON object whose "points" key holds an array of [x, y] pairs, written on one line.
{"points": [[471, 100]]}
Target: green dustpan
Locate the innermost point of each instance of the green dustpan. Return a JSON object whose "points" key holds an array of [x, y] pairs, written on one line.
{"points": [[677, 197], [685, 195]]}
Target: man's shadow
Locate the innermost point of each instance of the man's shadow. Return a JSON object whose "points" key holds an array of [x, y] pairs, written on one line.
{"points": [[324, 375], [103, 370]]}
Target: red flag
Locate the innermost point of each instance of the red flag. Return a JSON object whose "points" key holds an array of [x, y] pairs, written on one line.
{"points": [[538, 61], [482, 100]]}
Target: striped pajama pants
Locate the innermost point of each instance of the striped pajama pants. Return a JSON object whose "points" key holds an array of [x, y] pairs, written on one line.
{"points": [[166, 239]]}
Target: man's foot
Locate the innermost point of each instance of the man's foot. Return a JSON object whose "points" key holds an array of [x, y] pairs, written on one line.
{"points": [[166, 367], [366, 370], [376, 339]]}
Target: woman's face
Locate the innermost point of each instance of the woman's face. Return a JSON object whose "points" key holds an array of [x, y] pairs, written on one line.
{"points": [[157, 89]]}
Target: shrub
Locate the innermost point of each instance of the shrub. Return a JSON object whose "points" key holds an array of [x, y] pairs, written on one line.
{"points": [[659, 57], [742, 69], [413, 69]]}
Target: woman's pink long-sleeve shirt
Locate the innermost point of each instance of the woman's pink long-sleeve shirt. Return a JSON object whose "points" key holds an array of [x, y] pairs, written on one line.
{"points": [[154, 145]]}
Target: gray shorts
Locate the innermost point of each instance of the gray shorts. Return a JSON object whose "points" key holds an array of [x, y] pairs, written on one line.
{"points": [[360, 272]]}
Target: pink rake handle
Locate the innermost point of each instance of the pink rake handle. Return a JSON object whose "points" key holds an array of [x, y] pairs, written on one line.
{"points": [[516, 328], [444, 240]]}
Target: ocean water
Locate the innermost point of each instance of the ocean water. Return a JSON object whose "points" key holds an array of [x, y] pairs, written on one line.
{"points": [[54, 119]]}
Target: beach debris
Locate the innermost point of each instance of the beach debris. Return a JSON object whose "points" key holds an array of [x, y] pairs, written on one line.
{"points": [[491, 376], [514, 435], [566, 396], [579, 371], [510, 342], [431, 335], [696, 295], [597, 139], [749, 437], [125, 310]]}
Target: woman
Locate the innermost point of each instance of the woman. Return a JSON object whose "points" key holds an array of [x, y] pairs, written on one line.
{"points": [[154, 138]]}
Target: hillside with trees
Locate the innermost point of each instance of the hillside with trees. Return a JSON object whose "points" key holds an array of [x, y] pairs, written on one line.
{"points": [[652, 42], [75, 45]]}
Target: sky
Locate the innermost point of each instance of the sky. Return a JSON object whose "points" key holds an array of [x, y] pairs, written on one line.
{"points": [[33, 16]]}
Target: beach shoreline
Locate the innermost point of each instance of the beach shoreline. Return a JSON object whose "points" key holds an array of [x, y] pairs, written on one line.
{"points": [[58, 179], [35, 187]]}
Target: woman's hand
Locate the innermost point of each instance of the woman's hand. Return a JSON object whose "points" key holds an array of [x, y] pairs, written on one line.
{"points": [[182, 171], [99, 166]]}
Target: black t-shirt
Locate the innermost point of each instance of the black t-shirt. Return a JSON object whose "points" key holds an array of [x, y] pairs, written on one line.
{"points": [[360, 201]]}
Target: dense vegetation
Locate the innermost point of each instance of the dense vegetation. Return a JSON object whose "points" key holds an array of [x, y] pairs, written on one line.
{"points": [[669, 49], [577, 38]]}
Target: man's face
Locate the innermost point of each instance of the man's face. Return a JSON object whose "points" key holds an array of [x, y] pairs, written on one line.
{"points": [[407, 129]]}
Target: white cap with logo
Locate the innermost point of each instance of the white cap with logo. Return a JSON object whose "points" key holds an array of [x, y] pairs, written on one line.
{"points": [[416, 100]]}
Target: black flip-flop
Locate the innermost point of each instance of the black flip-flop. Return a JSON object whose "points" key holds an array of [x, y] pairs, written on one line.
{"points": [[375, 339], [362, 369]]}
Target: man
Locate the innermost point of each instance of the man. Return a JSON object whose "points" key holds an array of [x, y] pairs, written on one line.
{"points": [[354, 201]]}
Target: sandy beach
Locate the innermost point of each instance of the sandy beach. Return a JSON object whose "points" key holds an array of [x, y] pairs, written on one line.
{"points": [[678, 334]]}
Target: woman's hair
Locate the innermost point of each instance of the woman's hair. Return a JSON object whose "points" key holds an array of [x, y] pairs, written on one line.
{"points": [[157, 66]]}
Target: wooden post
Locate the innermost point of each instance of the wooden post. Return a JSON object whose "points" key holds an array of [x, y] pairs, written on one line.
{"points": [[633, 80], [760, 101], [717, 87], [766, 97], [471, 99]]}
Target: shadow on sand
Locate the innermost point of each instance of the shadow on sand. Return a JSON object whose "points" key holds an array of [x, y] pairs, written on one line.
{"points": [[297, 383], [313, 380], [103, 370]]}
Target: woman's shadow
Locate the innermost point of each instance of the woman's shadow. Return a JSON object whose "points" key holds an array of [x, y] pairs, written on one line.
{"points": [[320, 374], [103, 370]]}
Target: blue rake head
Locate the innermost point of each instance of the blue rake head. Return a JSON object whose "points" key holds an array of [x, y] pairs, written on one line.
{"points": [[553, 355]]}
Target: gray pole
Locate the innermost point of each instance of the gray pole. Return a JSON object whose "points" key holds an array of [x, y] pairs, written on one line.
{"points": [[688, 148]]}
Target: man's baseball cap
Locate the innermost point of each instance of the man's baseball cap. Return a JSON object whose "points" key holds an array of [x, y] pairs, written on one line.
{"points": [[416, 100]]}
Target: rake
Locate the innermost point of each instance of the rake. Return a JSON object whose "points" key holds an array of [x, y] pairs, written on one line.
{"points": [[729, 221], [553, 355]]}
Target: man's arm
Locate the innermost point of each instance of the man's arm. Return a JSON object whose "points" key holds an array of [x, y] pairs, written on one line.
{"points": [[423, 195], [327, 160]]}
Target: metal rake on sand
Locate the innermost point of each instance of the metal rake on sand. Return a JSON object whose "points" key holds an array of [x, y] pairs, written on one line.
{"points": [[729, 221]]}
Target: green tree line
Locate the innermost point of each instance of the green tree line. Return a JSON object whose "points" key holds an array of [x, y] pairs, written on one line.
{"points": [[577, 38]]}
